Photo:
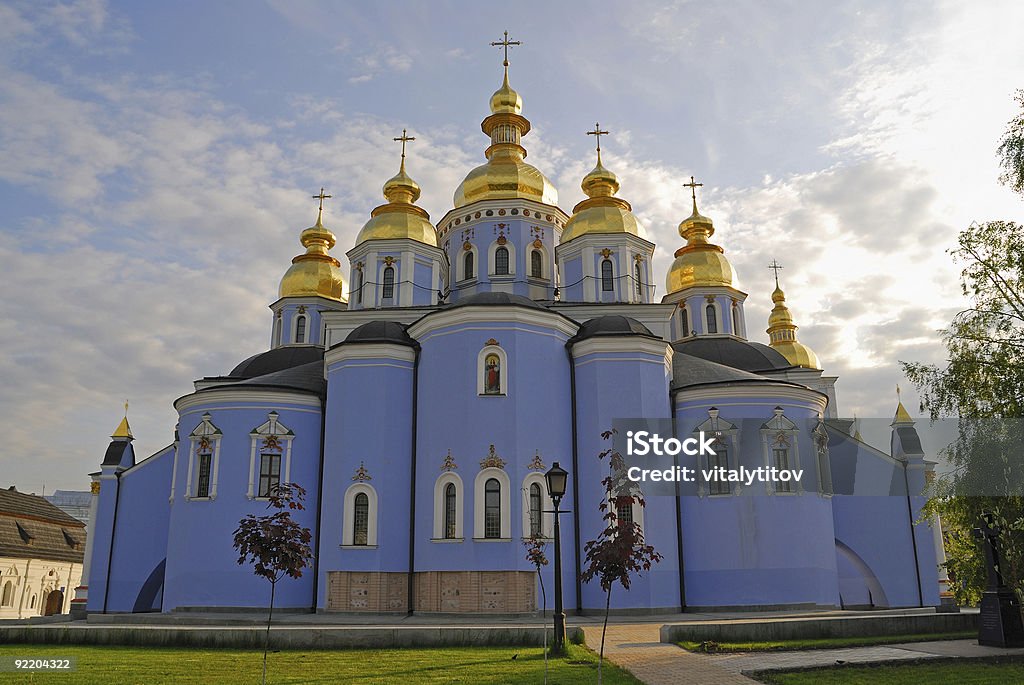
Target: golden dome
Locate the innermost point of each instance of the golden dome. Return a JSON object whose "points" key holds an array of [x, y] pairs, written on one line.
{"points": [[315, 272], [399, 218], [699, 262], [601, 212], [782, 334], [506, 174]]}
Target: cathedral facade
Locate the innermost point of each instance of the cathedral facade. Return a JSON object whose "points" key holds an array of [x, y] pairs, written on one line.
{"points": [[420, 399]]}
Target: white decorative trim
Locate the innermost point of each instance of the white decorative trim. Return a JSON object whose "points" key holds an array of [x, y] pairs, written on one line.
{"points": [[492, 265], [272, 429], [719, 328], [348, 517], [295, 328], [625, 343], [729, 434], [460, 263], [206, 430], [262, 396], [439, 505], [374, 350], [481, 371], [749, 392], [547, 519], [478, 503], [491, 315], [780, 427]]}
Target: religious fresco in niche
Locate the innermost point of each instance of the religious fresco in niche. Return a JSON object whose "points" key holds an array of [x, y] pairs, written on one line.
{"points": [[492, 374]]}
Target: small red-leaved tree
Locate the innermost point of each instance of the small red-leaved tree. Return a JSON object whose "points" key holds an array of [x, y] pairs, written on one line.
{"points": [[275, 544], [619, 551], [535, 555]]}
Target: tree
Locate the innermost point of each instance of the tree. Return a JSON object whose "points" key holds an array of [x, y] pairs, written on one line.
{"points": [[275, 544], [982, 385], [535, 545], [619, 550]]}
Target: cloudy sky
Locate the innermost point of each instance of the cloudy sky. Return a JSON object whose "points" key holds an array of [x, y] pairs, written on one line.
{"points": [[156, 163]]}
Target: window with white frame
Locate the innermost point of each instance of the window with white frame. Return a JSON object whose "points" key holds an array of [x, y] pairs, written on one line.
{"points": [[359, 516], [270, 457], [636, 279], [538, 521], [684, 316], [712, 318], [735, 319], [779, 440], [300, 329], [492, 371], [491, 504], [607, 275], [725, 440], [7, 598], [501, 261], [277, 330], [536, 264], [388, 289], [468, 265], [448, 507], [204, 459], [357, 286]]}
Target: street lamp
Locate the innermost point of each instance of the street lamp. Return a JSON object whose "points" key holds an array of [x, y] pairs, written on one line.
{"points": [[556, 478]]}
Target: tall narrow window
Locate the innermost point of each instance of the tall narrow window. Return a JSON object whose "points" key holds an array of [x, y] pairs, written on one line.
{"points": [[781, 458], [536, 266], [300, 329], [203, 484], [735, 319], [712, 318], [607, 284], [720, 459], [277, 331], [270, 474], [636, 278], [8, 595], [501, 261], [389, 283], [492, 508], [468, 265], [686, 322], [535, 510], [450, 502], [361, 519], [624, 511], [358, 286]]}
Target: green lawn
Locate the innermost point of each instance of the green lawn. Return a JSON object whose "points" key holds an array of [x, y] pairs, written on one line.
{"points": [[151, 665], [821, 643], [945, 673]]}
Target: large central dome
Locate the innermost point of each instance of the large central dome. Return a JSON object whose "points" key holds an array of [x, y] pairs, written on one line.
{"points": [[506, 174]]}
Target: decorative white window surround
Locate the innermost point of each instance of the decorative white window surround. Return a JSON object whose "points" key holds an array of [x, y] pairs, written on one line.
{"points": [[478, 505], [547, 519], [439, 507], [272, 429], [206, 432], [349, 515], [779, 430], [730, 435]]}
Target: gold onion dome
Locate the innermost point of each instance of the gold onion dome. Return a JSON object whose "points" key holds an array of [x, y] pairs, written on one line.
{"points": [[601, 212], [316, 272], [505, 175], [399, 218], [782, 334], [699, 262]]}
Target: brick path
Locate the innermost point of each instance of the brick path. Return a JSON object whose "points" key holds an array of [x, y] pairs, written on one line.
{"points": [[636, 648]]}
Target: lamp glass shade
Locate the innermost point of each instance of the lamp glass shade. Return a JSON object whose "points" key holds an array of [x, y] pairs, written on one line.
{"points": [[556, 478]]}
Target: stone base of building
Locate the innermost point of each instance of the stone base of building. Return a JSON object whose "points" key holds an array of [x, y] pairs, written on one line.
{"points": [[445, 592]]}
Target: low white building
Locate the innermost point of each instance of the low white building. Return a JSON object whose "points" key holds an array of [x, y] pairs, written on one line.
{"points": [[41, 552]]}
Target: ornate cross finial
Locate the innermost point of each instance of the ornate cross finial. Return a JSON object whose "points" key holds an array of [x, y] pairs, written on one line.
{"points": [[126, 409], [404, 139], [775, 266], [321, 197], [899, 396], [598, 133], [693, 185], [506, 43]]}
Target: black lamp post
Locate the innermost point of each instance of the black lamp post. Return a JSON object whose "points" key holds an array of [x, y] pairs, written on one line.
{"points": [[556, 478]]}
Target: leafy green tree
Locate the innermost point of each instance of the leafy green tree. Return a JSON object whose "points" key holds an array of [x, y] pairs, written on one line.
{"points": [[982, 385]]}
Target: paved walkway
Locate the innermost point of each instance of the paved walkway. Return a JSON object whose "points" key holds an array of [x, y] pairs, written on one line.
{"points": [[636, 648]]}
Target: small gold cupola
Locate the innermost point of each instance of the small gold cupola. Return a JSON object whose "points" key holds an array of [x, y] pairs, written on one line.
{"points": [[506, 174], [902, 416], [699, 262], [601, 212], [123, 430], [315, 273], [400, 217], [782, 331]]}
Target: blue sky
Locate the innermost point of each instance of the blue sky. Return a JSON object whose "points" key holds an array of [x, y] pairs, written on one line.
{"points": [[156, 162]]}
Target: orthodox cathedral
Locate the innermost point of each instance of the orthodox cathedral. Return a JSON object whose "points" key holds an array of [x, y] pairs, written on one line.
{"points": [[420, 401]]}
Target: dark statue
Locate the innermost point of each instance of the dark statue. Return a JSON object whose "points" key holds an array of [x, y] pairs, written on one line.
{"points": [[999, 624]]}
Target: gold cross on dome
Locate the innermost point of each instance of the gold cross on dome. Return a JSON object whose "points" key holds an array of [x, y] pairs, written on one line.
{"points": [[597, 132], [775, 266], [321, 197], [693, 185], [126, 408], [404, 139], [506, 44]]}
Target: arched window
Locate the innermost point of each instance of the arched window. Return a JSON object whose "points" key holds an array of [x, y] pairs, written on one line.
{"points": [[492, 508], [358, 286], [535, 510], [361, 519], [501, 261], [203, 484], [492, 374], [636, 277], [712, 318], [8, 595], [780, 460], [389, 283], [720, 459], [536, 264], [735, 319], [300, 328], [450, 509], [686, 322], [607, 283], [32, 603], [624, 511], [277, 331], [467, 263]]}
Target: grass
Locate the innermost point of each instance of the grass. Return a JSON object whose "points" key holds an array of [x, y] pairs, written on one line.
{"points": [[155, 665], [821, 643], [945, 673]]}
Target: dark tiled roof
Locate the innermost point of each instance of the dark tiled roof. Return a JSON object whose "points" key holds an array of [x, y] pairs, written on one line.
{"points": [[688, 371], [380, 331], [612, 324], [739, 354], [307, 377], [32, 528], [277, 359], [493, 299]]}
